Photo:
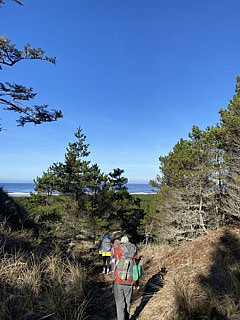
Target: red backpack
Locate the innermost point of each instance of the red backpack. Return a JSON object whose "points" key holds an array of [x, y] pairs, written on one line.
{"points": [[126, 253]]}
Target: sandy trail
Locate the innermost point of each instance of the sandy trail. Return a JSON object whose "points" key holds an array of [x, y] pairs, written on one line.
{"points": [[102, 305]]}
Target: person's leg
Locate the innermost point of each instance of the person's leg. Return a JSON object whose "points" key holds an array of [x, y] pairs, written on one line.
{"points": [[127, 295], [120, 301], [112, 266], [108, 264], [104, 264]]}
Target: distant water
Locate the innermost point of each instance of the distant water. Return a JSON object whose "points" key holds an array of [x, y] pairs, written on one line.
{"points": [[18, 187], [29, 187], [140, 188]]}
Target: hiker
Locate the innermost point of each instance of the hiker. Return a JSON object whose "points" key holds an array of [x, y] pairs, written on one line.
{"points": [[105, 251], [123, 277], [114, 256]]}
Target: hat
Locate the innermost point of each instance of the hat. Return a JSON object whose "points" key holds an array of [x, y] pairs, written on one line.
{"points": [[124, 239]]}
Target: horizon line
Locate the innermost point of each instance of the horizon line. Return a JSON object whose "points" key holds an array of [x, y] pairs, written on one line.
{"points": [[20, 181]]}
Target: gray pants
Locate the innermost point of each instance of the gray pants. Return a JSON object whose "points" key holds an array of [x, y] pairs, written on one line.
{"points": [[122, 295]]}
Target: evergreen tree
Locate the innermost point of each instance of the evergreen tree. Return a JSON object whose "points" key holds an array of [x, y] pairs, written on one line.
{"points": [[188, 191], [99, 201], [126, 210], [200, 179], [151, 222], [103, 200], [230, 143], [47, 183], [176, 166], [13, 96], [73, 175], [117, 181]]}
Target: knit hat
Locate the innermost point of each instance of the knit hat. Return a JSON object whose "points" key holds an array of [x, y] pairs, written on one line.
{"points": [[124, 239]]}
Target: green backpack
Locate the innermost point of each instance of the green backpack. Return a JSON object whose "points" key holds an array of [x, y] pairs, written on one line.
{"points": [[137, 272]]}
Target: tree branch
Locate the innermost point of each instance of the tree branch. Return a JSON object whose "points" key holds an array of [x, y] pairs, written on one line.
{"points": [[36, 114]]}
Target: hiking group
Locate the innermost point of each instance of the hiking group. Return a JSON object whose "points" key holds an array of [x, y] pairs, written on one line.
{"points": [[119, 260]]}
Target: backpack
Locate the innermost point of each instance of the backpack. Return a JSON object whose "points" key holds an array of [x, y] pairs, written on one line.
{"points": [[125, 263], [106, 245], [137, 271]]}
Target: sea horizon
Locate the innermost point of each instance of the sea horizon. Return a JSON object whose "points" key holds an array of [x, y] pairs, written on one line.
{"points": [[21, 188]]}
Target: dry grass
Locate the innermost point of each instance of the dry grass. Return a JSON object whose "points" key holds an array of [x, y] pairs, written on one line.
{"points": [[202, 280], [53, 288]]}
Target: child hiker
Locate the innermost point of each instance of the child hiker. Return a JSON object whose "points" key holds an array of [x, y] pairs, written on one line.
{"points": [[105, 251]]}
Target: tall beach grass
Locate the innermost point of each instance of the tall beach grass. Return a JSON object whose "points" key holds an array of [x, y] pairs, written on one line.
{"points": [[54, 288]]}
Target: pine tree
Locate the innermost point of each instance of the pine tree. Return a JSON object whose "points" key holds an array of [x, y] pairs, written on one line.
{"points": [[103, 201], [72, 175], [188, 186], [15, 97], [47, 183], [230, 138]]}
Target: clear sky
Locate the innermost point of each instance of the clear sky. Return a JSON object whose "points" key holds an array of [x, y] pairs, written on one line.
{"points": [[136, 75]]}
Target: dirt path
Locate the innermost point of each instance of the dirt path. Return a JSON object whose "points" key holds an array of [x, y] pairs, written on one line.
{"points": [[102, 304]]}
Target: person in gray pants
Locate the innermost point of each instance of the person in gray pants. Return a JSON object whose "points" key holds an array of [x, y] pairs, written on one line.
{"points": [[125, 254], [122, 295]]}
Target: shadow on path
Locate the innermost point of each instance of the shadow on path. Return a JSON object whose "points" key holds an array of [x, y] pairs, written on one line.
{"points": [[102, 305], [154, 284], [219, 299], [223, 281]]}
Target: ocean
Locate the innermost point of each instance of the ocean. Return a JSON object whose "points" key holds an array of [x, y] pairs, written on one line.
{"points": [[26, 188]]}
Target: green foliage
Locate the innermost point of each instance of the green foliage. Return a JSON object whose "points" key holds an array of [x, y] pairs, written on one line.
{"points": [[230, 146], [151, 222], [102, 200], [12, 95], [73, 174], [42, 208], [199, 179], [117, 181], [177, 164], [46, 183]]}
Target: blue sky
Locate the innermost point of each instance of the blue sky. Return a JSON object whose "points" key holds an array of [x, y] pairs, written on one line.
{"points": [[136, 75]]}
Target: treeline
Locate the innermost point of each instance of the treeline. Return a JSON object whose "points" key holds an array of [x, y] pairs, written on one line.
{"points": [[91, 201], [199, 180], [198, 188]]}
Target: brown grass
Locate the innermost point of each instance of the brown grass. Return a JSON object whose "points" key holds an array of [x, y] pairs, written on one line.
{"points": [[53, 288], [202, 280]]}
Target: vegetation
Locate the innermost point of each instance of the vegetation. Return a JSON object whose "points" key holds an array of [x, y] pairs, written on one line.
{"points": [[13, 96], [39, 278], [199, 179], [195, 280], [51, 288], [76, 203], [100, 201], [198, 191]]}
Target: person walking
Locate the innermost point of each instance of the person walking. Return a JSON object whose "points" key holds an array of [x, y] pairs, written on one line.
{"points": [[105, 251], [114, 256], [123, 277]]}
